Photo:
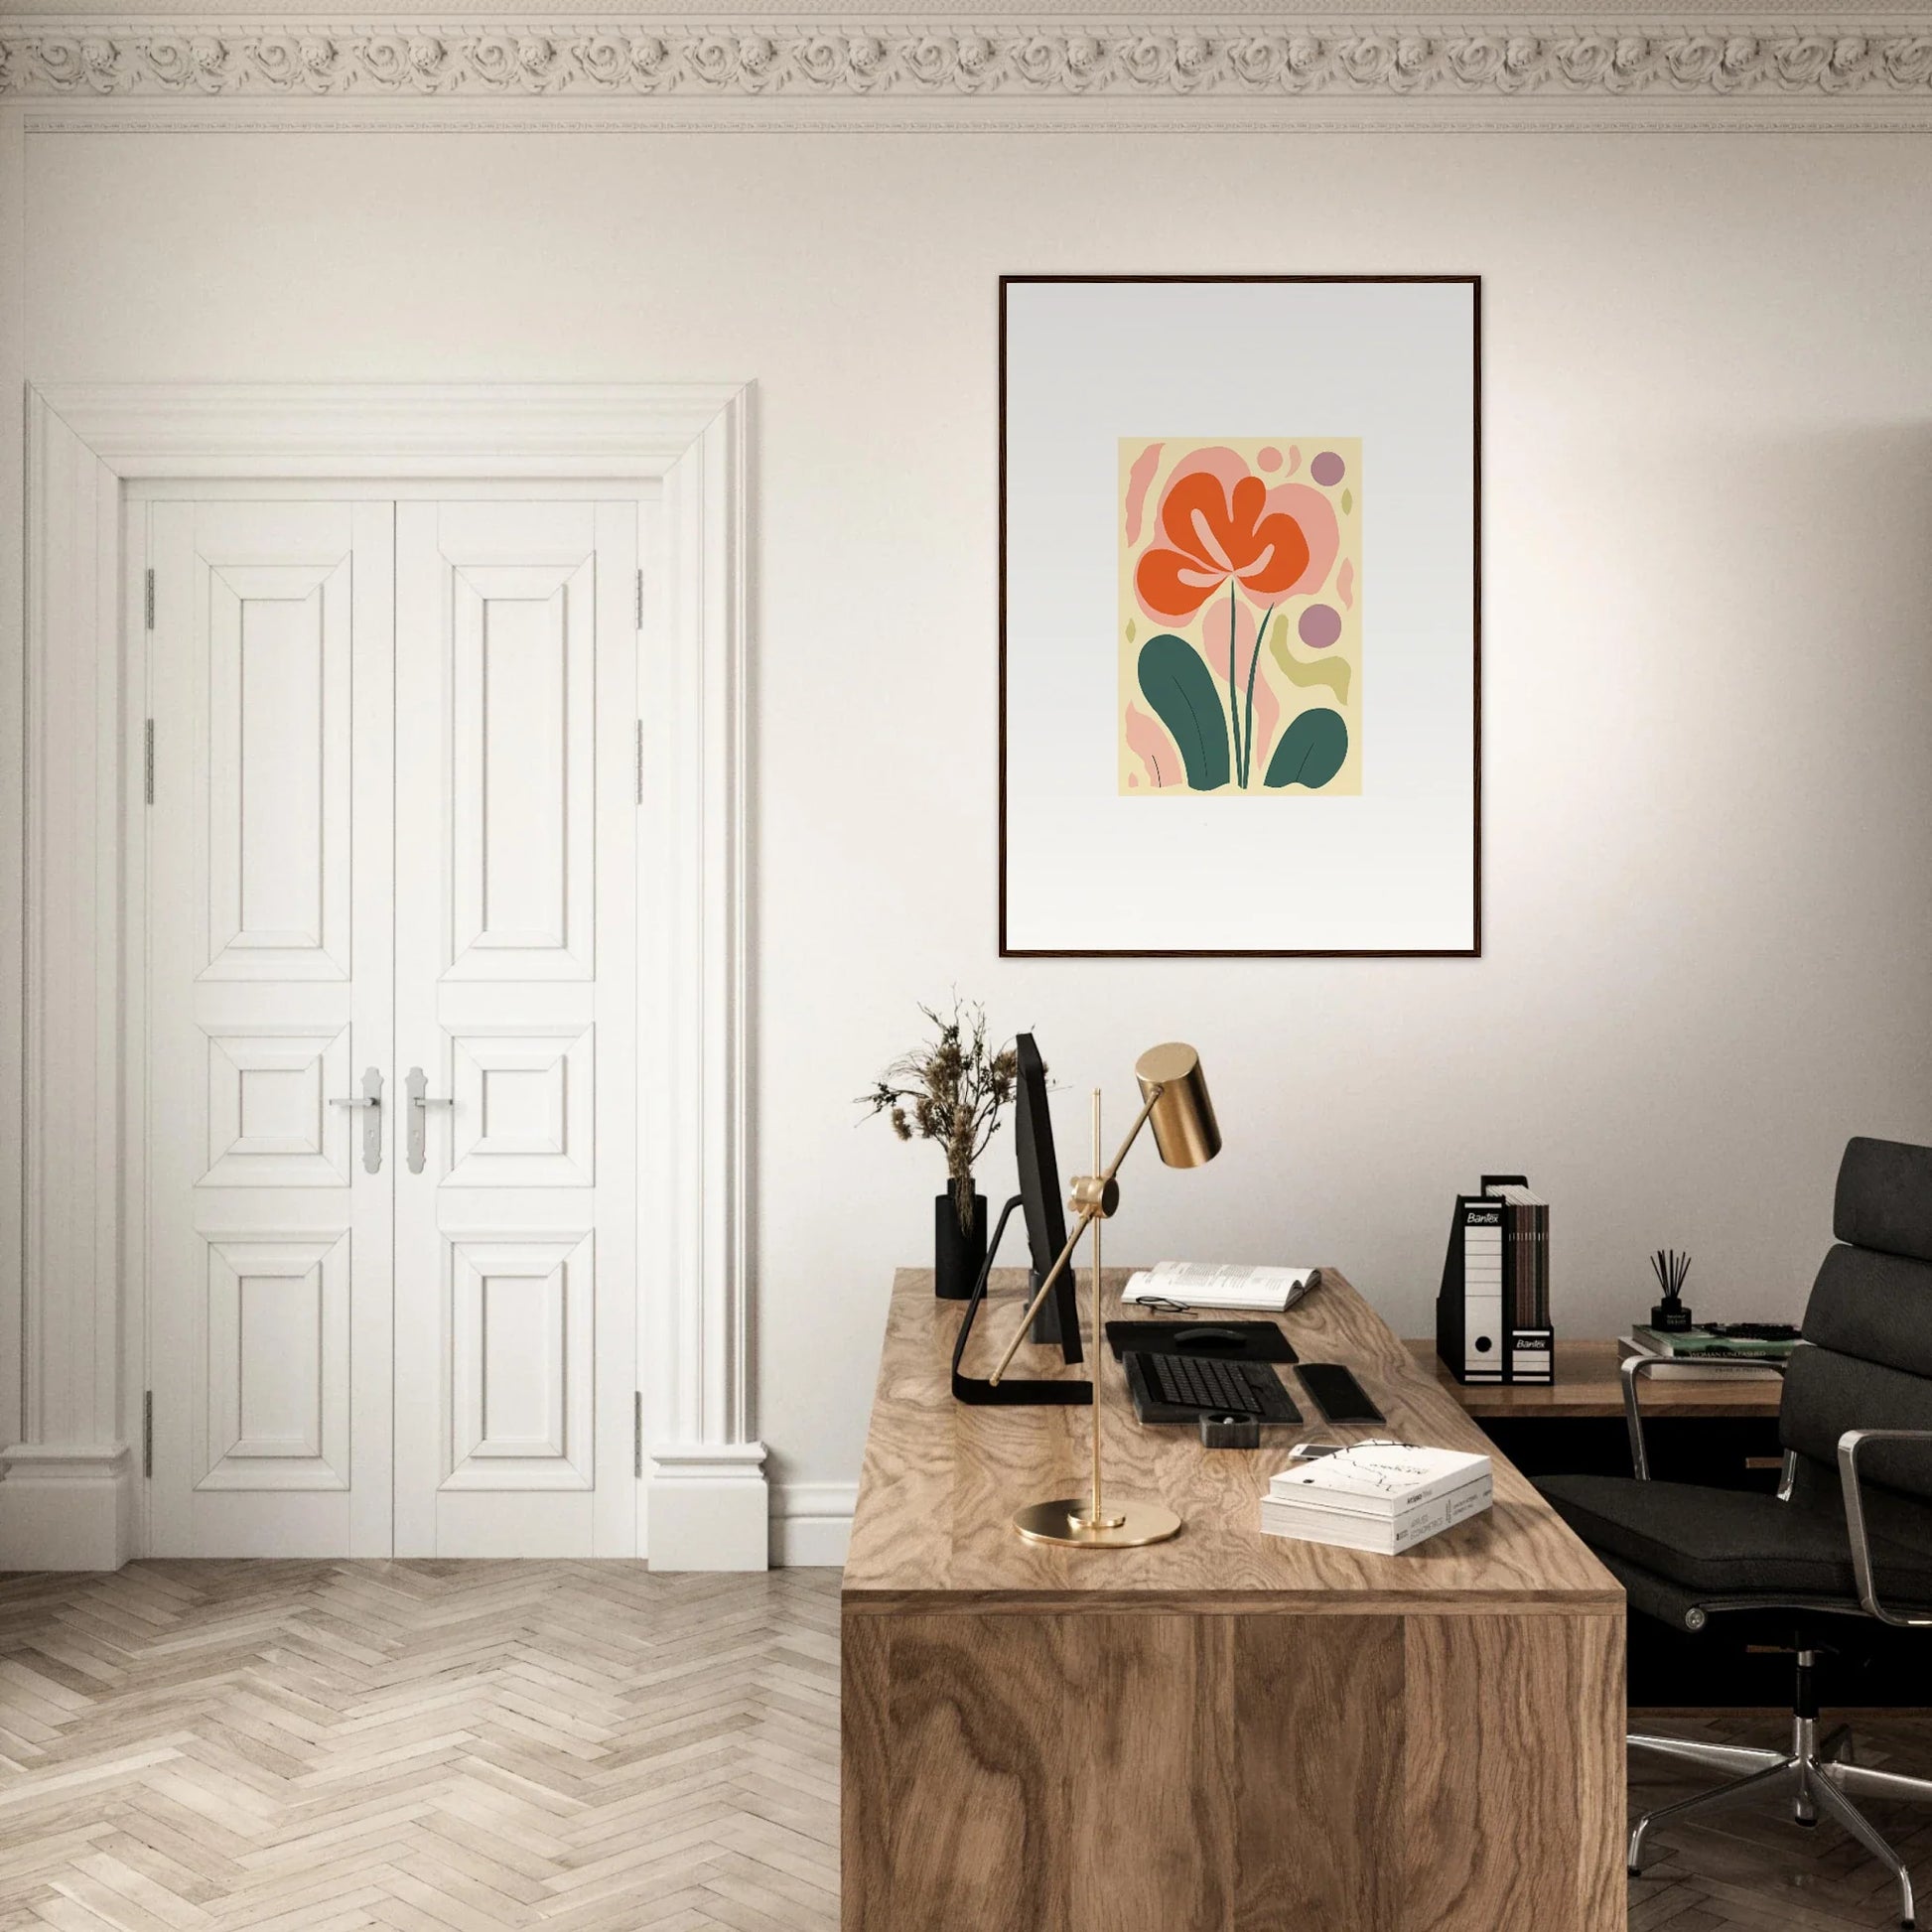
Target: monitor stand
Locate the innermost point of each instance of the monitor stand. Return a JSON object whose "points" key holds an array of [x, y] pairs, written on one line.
{"points": [[1011, 1391]]}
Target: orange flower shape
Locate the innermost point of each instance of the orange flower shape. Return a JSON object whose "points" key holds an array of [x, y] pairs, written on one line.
{"points": [[1217, 536]]}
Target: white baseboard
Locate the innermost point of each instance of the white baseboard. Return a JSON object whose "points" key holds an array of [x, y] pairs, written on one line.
{"points": [[65, 1508], [811, 1524], [710, 1507]]}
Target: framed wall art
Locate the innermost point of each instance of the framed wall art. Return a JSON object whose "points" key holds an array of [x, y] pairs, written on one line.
{"points": [[1240, 614]]}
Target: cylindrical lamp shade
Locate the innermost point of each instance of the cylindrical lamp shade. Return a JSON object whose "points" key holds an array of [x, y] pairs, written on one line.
{"points": [[1184, 1128]]}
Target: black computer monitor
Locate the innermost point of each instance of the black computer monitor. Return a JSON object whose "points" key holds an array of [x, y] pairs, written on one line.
{"points": [[1038, 1199], [1039, 1195]]}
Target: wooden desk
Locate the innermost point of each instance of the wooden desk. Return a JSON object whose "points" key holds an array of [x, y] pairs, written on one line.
{"points": [[1587, 1386], [1228, 1730]]}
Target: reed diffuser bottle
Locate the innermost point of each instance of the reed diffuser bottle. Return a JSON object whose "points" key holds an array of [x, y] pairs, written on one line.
{"points": [[1670, 1315]]}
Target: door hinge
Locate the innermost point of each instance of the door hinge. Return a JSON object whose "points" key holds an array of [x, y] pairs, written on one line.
{"points": [[641, 597], [150, 599], [638, 1434], [146, 1433], [148, 760], [640, 761]]}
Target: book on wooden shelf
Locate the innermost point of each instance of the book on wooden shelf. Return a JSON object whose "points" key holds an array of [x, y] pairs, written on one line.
{"points": [[1719, 1341], [1672, 1367]]}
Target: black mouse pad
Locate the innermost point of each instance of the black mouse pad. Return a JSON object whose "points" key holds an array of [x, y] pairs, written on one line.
{"points": [[1222, 1341]]}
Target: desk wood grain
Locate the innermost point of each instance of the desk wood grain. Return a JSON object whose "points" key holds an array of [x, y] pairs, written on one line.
{"points": [[1228, 1733], [940, 1480]]}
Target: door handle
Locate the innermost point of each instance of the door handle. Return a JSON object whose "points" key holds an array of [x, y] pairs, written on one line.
{"points": [[420, 1102], [370, 1098]]}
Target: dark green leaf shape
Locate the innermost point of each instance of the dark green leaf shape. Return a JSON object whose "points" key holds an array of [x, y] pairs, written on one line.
{"points": [[1311, 751], [1181, 691]]}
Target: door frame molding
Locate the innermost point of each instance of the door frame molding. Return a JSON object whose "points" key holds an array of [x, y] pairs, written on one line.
{"points": [[69, 1460]]}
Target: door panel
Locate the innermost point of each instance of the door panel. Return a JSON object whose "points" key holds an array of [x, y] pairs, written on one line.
{"points": [[269, 991], [523, 763], [276, 1414], [279, 757], [515, 1247], [521, 1362]]}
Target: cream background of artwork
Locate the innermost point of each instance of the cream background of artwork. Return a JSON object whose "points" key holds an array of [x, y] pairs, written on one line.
{"points": [[1296, 454]]}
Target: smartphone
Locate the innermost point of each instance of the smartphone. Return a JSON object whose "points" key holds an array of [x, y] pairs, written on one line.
{"points": [[1337, 1394]]}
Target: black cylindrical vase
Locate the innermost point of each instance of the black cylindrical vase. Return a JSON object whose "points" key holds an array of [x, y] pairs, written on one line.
{"points": [[957, 1256]]}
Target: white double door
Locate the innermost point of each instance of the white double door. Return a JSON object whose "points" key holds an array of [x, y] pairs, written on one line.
{"points": [[390, 859]]}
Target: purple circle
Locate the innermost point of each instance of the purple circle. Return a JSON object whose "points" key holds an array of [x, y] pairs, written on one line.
{"points": [[1321, 625], [1327, 469]]}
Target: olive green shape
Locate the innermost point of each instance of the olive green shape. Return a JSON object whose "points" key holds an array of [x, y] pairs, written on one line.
{"points": [[1331, 670]]}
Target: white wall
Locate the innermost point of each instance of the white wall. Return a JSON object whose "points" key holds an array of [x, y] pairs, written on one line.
{"points": [[1708, 439]]}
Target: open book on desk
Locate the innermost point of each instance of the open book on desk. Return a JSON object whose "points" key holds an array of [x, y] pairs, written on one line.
{"points": [[1214, 1284]]}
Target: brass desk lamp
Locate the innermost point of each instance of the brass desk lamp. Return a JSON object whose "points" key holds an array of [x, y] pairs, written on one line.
{"points": [[1175, 1102]]}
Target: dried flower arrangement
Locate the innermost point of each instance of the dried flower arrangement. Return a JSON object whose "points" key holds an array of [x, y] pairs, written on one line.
{"points": [[952, 1090]]}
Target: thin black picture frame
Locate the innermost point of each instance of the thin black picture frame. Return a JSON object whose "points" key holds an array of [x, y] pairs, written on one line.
{"points": [[1474, 949]]}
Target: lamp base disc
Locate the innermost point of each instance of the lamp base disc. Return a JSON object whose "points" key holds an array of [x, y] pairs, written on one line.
{"points": [[1062, 1521]]}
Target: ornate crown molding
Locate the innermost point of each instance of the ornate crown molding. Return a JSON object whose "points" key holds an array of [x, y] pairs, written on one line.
{"points": [[1812, 68]]}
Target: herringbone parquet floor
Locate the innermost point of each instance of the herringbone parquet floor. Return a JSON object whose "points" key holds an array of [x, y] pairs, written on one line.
{"points": [[316, 1746], [461, 1748]]}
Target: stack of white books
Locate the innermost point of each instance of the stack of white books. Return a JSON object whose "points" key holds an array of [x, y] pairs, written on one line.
{"points": [[1216, 1285], [1380, 1496]]}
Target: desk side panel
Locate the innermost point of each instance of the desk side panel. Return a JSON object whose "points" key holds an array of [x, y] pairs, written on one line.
{"points": [[1319, 1727], [865, 1774], [1514, 1774], [958, 1783], [1168, 1773]]}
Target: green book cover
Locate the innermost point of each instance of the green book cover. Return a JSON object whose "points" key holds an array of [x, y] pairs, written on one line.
{"points": [[1701, 1341]]}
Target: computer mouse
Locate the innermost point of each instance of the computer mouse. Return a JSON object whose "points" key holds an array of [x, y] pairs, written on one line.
{"points": [[1206, 1337]]}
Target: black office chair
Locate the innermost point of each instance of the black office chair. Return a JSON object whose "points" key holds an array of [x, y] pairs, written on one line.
{"points": [[1849, 1535]]}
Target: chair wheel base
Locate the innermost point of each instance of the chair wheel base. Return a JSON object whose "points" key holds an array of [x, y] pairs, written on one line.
{"points": [[1810, 1824]]}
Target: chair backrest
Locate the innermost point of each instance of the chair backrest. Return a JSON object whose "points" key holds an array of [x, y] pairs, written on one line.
{"points": [[1870, 1327]]}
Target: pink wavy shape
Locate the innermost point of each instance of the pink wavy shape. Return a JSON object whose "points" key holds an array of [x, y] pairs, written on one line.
{"points": [[1317, 516], [1345, 584], [1150, 743], [1138, 478]]}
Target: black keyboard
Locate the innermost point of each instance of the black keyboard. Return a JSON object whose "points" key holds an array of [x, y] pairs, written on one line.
{"points": [[1207, 1387]]}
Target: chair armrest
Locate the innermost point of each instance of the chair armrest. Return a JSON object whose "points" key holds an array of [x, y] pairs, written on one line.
{"points": [[1634, 1367], [1848, 1446]]}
